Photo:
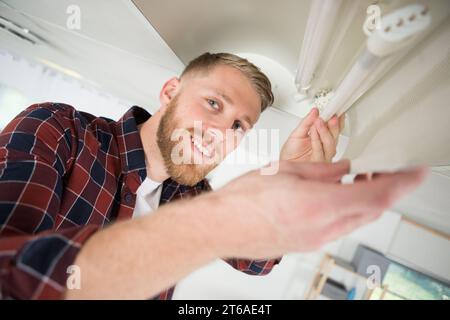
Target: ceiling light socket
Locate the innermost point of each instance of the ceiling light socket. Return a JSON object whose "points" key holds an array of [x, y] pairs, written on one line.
{"points": [[398, 29]]}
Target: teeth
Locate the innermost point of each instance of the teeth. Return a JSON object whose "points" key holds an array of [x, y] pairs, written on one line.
{"points": [[200, 148]]}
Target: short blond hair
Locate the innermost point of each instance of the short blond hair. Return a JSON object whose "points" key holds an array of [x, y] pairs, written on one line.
{"points": [[259, 80]]}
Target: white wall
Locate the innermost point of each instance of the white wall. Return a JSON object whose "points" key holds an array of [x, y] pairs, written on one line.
{"points": [[421, 249]]}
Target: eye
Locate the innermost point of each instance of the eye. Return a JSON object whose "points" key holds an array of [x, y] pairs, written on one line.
{"points": [[237, 125], [213, 104]]}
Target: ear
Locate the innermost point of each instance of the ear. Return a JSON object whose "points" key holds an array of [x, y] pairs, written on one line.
{"points": [[169, 90]]}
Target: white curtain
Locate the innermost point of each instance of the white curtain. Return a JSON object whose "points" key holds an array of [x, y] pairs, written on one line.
{"points": [[24, 82]]}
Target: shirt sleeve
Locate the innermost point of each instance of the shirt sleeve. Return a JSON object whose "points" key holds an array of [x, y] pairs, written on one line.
{"points": [[35, 153], [252, 267]]}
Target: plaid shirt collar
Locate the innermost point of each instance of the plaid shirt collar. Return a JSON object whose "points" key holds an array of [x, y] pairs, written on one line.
{"points": [[131, 151]]}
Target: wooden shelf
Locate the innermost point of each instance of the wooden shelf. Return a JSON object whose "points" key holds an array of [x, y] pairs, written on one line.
{"points": [[327, 270]]}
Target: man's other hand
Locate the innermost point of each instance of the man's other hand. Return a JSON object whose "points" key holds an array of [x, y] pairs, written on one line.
{"points": [[313, 140]]}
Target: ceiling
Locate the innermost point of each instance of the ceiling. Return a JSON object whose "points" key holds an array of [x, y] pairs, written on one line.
{"points": [[271, 28], [270, 34], [115, 49]]}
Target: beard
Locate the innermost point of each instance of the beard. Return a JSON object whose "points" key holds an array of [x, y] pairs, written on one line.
{"points": [[183, 173]]}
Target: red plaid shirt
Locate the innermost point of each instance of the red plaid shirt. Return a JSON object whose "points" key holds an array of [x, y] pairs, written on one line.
{"points": [[65, 174]]}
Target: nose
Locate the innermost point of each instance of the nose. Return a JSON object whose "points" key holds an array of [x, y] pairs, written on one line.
{"points": [[213, 135], [220, 124]]}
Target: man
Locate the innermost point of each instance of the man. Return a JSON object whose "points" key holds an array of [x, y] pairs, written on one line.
{"points": [[70, 182]]}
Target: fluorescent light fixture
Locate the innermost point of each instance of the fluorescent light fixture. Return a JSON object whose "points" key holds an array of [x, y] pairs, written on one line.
{"points": [[319, 27], [349, 13], [64, 70], [398, 30]]}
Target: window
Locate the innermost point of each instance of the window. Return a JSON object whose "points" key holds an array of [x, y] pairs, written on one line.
{"points": [[402, 283]]}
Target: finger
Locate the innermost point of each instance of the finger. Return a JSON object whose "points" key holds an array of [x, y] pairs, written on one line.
{"points": [[363, 177], [317, 153], [326, 172], [305, 125], [333, 125], [328, 142], [378, 194], [341, 122]]}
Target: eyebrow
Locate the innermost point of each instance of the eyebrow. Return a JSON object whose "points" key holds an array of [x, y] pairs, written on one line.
{"points": [[249, 122], [224, 96]]}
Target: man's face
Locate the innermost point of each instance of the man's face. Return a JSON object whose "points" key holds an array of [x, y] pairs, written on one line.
{"points": [[205, 121]]}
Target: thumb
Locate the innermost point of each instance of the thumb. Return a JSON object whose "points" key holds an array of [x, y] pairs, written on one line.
{"points": [[303, 128]]}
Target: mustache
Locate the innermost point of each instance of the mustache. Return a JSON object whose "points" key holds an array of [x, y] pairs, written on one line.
{"points": [[210, 138]]}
